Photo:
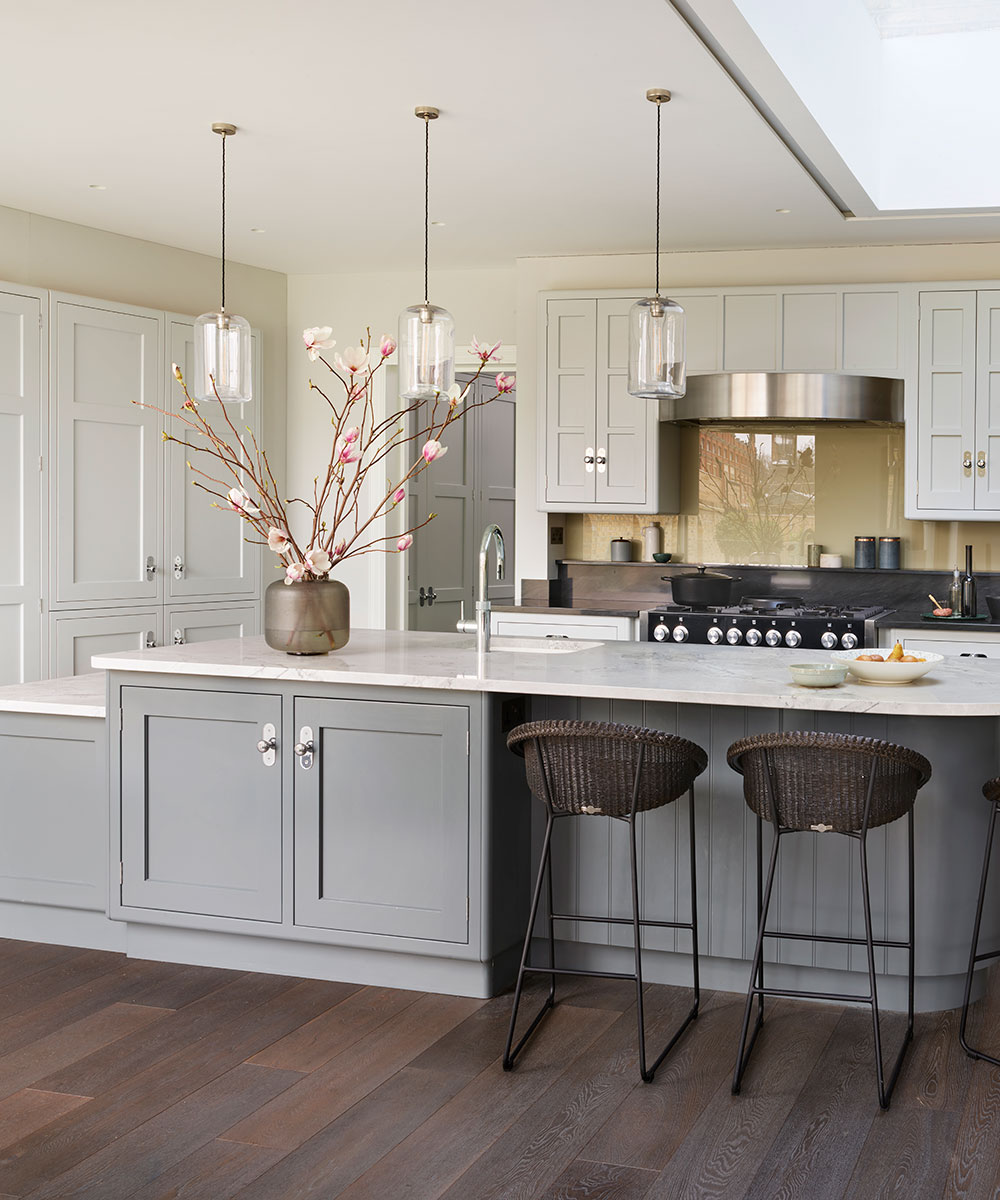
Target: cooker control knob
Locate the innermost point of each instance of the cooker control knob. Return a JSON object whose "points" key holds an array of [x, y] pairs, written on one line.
{"points": [[828, 640], [680, 633], [734, 636], [772, 637], [849, 641], [660, 633], [753, 637], [714, 635], [793, 638]]}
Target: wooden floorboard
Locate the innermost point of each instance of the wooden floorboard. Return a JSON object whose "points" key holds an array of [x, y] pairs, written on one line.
{"points": [[126, 1080]]}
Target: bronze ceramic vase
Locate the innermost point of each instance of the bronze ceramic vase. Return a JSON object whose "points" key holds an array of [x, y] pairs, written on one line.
{"points": [[308, 617]]}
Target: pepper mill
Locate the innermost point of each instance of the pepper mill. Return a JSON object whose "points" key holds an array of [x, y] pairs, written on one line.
{"points": [[969, 604]]}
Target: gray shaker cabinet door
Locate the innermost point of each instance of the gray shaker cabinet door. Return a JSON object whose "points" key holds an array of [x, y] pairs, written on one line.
{"points": [[107, 449], [201, 808], [382, 819], [207, 551]]}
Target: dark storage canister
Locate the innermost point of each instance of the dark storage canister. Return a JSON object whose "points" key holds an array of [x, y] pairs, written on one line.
{"points": [[888, 553], [864, 551]]}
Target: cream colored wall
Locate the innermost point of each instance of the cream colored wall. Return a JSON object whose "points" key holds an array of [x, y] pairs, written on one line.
{"points": [[482, 303], [41, 252], [932, 542]]}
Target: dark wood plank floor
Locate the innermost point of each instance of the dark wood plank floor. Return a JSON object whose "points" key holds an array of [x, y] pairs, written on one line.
{"points": [[129, 1080]]}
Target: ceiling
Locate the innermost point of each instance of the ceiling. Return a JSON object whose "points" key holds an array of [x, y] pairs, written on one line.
{"points": [[920, 18], [545, 145]]}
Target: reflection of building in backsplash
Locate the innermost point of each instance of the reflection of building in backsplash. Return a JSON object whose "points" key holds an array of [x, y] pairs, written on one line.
{"points": [[761, 495]]}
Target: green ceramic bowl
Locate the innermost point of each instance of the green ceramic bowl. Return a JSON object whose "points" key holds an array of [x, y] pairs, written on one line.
{"points": [[818, 674], [662, 558]]}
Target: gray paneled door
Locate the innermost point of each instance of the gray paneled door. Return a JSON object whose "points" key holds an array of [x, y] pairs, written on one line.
{"points": [[201, 807], [382, 819], [106, 502], [207, 553], [20, 498]]}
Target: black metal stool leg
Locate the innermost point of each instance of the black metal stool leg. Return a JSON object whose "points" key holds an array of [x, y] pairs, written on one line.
{"points": [[974, 955], [545, 864], [756, 972]]}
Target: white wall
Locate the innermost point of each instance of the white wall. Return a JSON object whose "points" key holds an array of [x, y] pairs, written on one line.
{"points": [[733, 268], [482, 303]]}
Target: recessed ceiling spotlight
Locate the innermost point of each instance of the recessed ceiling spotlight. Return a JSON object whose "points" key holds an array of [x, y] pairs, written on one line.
{"points": [[782, 210], [98, 187], [257, 229]]}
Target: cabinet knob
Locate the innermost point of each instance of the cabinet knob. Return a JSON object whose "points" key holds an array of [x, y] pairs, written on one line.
{"points": [[178, 567], [588, 459], [304, 749], [150, 639], [981, 460], [268, 745], [178, 637], [150, 568], [967, 460], [602, 460]]}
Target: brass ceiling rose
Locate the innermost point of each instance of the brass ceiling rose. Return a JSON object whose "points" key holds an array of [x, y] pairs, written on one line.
{"points": [[658, 95]]}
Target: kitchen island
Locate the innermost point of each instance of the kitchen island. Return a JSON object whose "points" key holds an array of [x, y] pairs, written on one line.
{"points": [[386, 834]]}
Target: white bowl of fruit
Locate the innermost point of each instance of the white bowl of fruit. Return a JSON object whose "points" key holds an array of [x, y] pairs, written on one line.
{"points": [[895, 667]]}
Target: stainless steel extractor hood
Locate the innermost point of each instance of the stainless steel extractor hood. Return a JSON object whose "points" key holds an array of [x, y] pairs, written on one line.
{"points": [[789, 396]]}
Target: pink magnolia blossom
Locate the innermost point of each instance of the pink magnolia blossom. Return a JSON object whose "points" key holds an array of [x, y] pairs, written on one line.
{"points": [[398, 495], [353, 359], [277, 540], [387, 345], [317, 339], [433, 450], [455, 394], [405, 542], [350, 435], [177, 372], [319, 562], [483, 352], [505, 383], [338, 550], [294, 572], [240, 502], [348, 454]]}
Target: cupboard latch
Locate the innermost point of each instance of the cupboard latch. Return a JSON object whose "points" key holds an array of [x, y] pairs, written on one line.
{"points": [[304, 748], [268, 745]]}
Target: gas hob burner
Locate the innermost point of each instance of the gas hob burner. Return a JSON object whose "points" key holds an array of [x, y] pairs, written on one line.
{"points": [[764, 604]]}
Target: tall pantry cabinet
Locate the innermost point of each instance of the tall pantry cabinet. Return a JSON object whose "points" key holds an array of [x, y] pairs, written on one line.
{"points": [[127, 553]]}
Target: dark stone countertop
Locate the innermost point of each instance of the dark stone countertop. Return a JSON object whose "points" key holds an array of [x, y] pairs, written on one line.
{"points": [[911, 619]]}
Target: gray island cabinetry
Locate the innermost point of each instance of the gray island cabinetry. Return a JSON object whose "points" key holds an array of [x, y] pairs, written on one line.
{"points": [[337, 835], [389, 841]]}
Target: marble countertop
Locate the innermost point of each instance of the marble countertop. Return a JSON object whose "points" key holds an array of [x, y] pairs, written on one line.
{"points": [[71, 696], [738, 675]]}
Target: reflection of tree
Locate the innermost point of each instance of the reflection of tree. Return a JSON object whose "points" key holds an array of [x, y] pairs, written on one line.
{"points": [[762, 505]]}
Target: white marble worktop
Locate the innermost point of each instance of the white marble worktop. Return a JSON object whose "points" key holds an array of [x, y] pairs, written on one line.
{"points": [[742, 676], [70, 696]]}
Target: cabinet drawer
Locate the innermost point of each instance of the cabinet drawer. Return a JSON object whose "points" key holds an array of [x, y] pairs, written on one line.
{"points": [[611, 629]]}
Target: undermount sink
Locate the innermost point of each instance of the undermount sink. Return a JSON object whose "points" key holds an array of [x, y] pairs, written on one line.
{"points": [[531, 645]]}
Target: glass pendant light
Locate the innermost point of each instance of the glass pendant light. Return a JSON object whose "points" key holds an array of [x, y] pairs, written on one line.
{"points": [[656, 324], [222, 368], [426, 332]]}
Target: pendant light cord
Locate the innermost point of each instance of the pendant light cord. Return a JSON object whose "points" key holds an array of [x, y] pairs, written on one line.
{"points": [[658, 107], [427, 202], [223, 221]]}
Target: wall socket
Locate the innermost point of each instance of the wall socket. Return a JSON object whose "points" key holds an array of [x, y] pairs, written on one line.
{"points": [[556, 535]]}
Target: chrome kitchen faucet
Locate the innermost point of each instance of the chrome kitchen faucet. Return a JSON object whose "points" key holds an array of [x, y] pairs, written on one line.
{"points": [[481, 625]]}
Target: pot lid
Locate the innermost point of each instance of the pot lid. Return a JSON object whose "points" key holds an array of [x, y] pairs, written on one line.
{"points": [[703, 573]]}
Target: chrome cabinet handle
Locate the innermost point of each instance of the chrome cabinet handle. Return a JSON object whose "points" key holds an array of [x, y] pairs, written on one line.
{"points": [[981, 460], [304, 748], [588, 459], [178, 567], [967, 460], [178, 637], [268, 745], [431, 597], [150, 568], [602, 460], [421, 597], [150, 639]]}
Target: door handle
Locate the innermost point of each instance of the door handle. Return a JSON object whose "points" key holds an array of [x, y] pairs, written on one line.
{"points": [[430, 595], [305, 748], [967, 460], [150, 568], [150, 639], [981, 460], [421, 597], [178, 637], [602, 461], [268, 745], [588, 460], [178, 567]]}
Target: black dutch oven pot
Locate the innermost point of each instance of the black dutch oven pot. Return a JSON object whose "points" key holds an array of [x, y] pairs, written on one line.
{"points": [[702, 589]]}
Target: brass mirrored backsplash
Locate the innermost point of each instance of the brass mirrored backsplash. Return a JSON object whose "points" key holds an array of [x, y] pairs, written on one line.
{"points": [[761, 495]]}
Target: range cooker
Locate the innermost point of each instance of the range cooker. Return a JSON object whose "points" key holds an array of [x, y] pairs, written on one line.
{"points": [[787, 621]]}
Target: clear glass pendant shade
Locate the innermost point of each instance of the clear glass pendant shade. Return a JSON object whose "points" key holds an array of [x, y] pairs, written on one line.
{"points": [[656, 349], [426, 351], [222, 354]]}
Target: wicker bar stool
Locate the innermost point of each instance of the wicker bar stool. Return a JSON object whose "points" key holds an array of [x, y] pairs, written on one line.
{"points": [[827, 782], [991, 790], [589, 768]]}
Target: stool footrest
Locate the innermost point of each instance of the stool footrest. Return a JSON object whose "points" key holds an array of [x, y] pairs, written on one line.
{"points": [[643, 923], [846, 941], [791, 993], [579, 971]]}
